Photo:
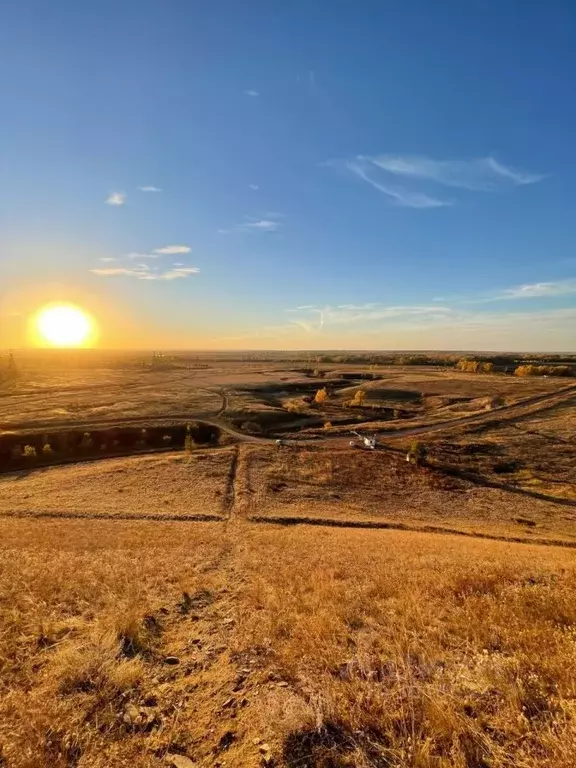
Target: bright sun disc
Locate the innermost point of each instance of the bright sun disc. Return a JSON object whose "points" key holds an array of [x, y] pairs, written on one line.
{"points": [[64, 325]]}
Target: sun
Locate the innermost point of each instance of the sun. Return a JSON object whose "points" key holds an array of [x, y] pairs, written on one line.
{"points": [[63, 325]]}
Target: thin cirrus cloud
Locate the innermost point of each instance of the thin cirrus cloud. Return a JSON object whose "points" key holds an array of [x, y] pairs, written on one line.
{"points": [[537, 290], [483, 174], [169, 250], [116, 198], [410, 199], [166, 250], [263, 225], [542, 290], [399, 176], [150, 188], [268, 223], [314, 318], [144, 272], [251, 92], [253, 187]]}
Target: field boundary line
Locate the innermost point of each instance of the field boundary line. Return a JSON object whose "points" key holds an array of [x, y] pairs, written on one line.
{"points": [[286, 522], [153, 516], [392, 526]]}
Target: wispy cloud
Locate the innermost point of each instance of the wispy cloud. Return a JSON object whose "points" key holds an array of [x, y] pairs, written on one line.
{"points": [[537, 290], [542, 290], [150, 189], [268, 223], [264, 225], [314, 318], [107, 259], [170, 250], [251, 92], [253, 187], [401, 177], [400, 196], [116, 198], [483, 174], [177, 273], [144, 272], [118, 272]]}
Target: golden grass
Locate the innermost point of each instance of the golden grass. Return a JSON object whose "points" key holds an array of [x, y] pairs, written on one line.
{"points": [[82, 643], [331, 648], [167, 485], [416, 650]]}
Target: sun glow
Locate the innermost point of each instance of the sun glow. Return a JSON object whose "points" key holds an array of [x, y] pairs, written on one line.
{"points": [[63, 325]]}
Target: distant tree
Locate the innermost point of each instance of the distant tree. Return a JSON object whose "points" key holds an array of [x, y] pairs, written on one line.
{"points": [[487, 367], [543, 370], [359, 397], [468, 366], [321, 396]]}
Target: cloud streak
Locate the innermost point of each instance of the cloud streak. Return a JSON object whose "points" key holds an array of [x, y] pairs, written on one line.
{"points": [[400, 196], [483, 174], [537, 290], [171, 250], [401, 177], [150, 188], [313, 318], [264, 225], [144, 272], [251, 92]]}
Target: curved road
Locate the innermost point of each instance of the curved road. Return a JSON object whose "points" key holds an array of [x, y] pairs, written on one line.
{"points": [[214, 419]]}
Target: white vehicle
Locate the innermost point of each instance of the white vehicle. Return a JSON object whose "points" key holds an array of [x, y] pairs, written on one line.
{"points": [[365, 442]]}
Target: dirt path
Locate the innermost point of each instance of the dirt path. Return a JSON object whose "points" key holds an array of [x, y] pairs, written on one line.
{"points": [[230, 492], [509, 413]]}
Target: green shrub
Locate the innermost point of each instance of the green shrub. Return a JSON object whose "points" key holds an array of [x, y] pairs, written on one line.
{"points": [[417, 453]]}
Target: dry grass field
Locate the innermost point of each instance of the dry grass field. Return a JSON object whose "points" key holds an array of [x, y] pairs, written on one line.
{"points": [[144, 643], [308, 605], [166, 486]]}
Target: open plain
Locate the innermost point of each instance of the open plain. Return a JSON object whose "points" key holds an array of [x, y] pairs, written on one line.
{"points": [[179, 588]]}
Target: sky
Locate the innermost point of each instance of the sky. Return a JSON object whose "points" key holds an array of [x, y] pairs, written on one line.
{"points": [[361, 174]]}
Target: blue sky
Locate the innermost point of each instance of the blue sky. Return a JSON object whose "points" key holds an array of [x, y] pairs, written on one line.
{"points": [[383, 175]]}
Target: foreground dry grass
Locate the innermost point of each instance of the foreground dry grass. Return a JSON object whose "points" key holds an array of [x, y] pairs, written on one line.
{"points": [[243, 645]]}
